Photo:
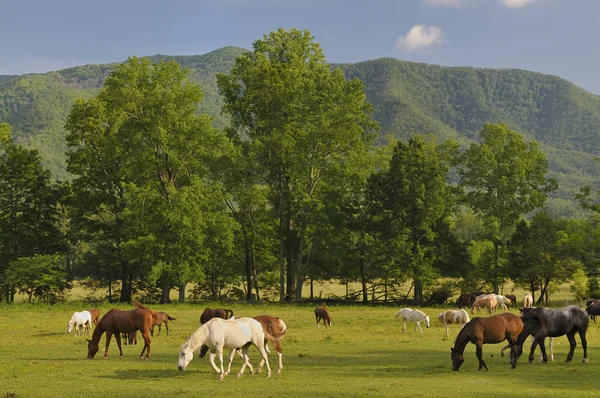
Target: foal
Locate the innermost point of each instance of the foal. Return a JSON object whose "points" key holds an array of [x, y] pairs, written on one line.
{"points": [[322, 314], [158, 318]]}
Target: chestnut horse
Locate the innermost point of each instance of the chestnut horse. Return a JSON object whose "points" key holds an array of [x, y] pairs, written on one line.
{"points": [[158, 318], [116, 322], [95, 315], [322, 314], [209, 314], [490, 330]]}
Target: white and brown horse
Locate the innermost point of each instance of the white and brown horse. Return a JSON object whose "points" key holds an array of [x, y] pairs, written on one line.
{"points": [[459, 317]]}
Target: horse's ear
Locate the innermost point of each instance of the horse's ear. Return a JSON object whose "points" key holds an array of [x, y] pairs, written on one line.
{"points": [[521, 310]]}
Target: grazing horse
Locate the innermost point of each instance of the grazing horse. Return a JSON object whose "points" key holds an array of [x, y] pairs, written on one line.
{"points": [[322, 314], [486, 301], [439, 297], [513, 299], [116, 322], [490, 330], [80, 319], [209, 314], [95, 315], [218, 334], [528, 301], [129, 338], [158, 318], [465, 300], [410, 315], [503, 301], [546, 322], [449, 317], [275, 327], [593, 310]]}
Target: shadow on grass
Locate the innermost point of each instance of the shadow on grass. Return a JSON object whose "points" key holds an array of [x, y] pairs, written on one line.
{"points": [[146, 374], [48, 334]]}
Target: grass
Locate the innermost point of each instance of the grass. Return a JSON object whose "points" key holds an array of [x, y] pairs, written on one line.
{"points": [[365, 353]]}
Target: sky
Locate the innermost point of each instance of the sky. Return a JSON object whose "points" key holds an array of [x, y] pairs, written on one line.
{"points": [[557, 37]]}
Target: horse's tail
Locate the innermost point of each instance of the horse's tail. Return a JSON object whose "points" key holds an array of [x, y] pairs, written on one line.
{"points": [[228, 313], [272, 338], [282, 326], [171, 318], [139, 305]]}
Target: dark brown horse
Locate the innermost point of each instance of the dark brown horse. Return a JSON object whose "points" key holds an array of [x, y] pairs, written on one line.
{"points": [[158, 318], [513, 299], [274, 329], [129, 338], [209, 314], [95, 315], [480, 331], [322, 314], [116, 322]]}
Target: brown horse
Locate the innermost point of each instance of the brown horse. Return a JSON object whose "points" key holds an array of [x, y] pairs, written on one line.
{"points": [[95, 315], [274, 329], [129, 338], [116, 322], [480, 331], [513, 299], [158, 318], [209, 314], [322, 314]]}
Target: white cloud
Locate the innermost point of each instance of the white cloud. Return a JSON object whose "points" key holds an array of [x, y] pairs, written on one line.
{"points": [[517, 3], [445, 3], [421, 38]]}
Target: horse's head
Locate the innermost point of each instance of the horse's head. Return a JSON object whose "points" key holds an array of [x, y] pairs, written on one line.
{"points": [[92, 349], [457, 359], [427, 320], [185, 356], [70, 325], [329, 320]]}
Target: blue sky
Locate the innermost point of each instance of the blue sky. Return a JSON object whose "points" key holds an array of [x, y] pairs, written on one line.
{"points": [[558, 37]]}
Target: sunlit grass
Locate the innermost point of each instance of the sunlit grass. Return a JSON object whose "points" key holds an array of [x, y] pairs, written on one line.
{"points": [[365, 353]]}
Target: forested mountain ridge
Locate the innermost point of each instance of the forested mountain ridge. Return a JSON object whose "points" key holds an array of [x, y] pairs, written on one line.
{"points": [[408, 98]]}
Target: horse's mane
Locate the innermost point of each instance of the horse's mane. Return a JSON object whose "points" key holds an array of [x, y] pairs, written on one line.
{"points": [[197, 338]]}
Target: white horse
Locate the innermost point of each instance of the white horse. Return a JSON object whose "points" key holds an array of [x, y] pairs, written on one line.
{"points": [[459, 317], [411, 315], [80, 319], [503, 301], [218, 334], [528, 301]]}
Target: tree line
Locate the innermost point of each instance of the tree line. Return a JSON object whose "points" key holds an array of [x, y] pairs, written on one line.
{"points": [[294, 191]]}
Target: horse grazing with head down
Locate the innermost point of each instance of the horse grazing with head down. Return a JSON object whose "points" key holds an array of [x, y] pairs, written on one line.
{"points": [[410, 315], [116, 322], [545, 322], [209, 314], [490, 330], [218, 334], [449, 317], [513, 299], [321, 313], [158, 318], [488, 301], [80, 320]]}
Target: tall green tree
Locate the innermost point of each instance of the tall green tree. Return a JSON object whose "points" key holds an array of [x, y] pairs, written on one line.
{"points": [[305, 123], [144, 155], [504, 178], [410, 201], [27, 206]]}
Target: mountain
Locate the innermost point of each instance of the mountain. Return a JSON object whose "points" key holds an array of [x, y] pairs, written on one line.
{"points": [[408, 98]]}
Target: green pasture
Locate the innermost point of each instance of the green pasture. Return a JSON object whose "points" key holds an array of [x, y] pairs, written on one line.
{"points": [[364, 354]]}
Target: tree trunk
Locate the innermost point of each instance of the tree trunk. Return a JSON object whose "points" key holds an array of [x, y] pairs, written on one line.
{"points": [[363, 277], [182, 286], [418, 291], [165, 290], [249, 273], [495, 269], [281, 256]]}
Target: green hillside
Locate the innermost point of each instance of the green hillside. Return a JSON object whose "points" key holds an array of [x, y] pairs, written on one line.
{"points": [[408, 98]]}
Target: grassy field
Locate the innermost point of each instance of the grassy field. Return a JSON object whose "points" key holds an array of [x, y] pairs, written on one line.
{"points": [[365, 353]]}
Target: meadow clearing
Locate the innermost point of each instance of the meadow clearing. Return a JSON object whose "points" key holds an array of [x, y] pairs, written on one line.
{"points": [[363, 354]]}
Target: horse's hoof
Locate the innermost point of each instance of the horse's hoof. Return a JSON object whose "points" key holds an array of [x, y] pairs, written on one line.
{"points": [[585, 360], [278, 371], [251, 371], [121, 357], [259, 371], [239, 375], [268, 374]]}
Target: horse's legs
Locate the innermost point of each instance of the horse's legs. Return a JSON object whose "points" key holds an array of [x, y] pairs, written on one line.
{"points": [[279, 354], [152, 331], [220, 352], [159, 326], [146, 348], [504, 349], [584, 345], [572, 344], [167, 327], [533, 346], [419, 325], [231, 355], [404, 325], [211, 360], [118, 338], [479, 353], [543, 350], [265, 358], [447, 328], [108, 336], [551, 342]]}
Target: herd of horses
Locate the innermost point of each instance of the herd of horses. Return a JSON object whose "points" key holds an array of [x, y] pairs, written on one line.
{"points": [[220, 330]]}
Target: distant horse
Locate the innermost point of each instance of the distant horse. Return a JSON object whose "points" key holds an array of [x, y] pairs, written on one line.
{"points": [[503, 301], [116, 322], [322, 314], [95, 315], [487, 301], [465, 300], [439, 297], [593, 310], [513, 299], [129, 338], [449, 317], [490, 330], [410, 315], [209, 314], [158, 320], [79, 320], [528, 301], [218, 334], [275, 327], [546, 322], [591, 301]]}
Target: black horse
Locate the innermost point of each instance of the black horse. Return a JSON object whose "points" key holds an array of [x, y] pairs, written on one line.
{"points": [[593, 310], [545, 322]]}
